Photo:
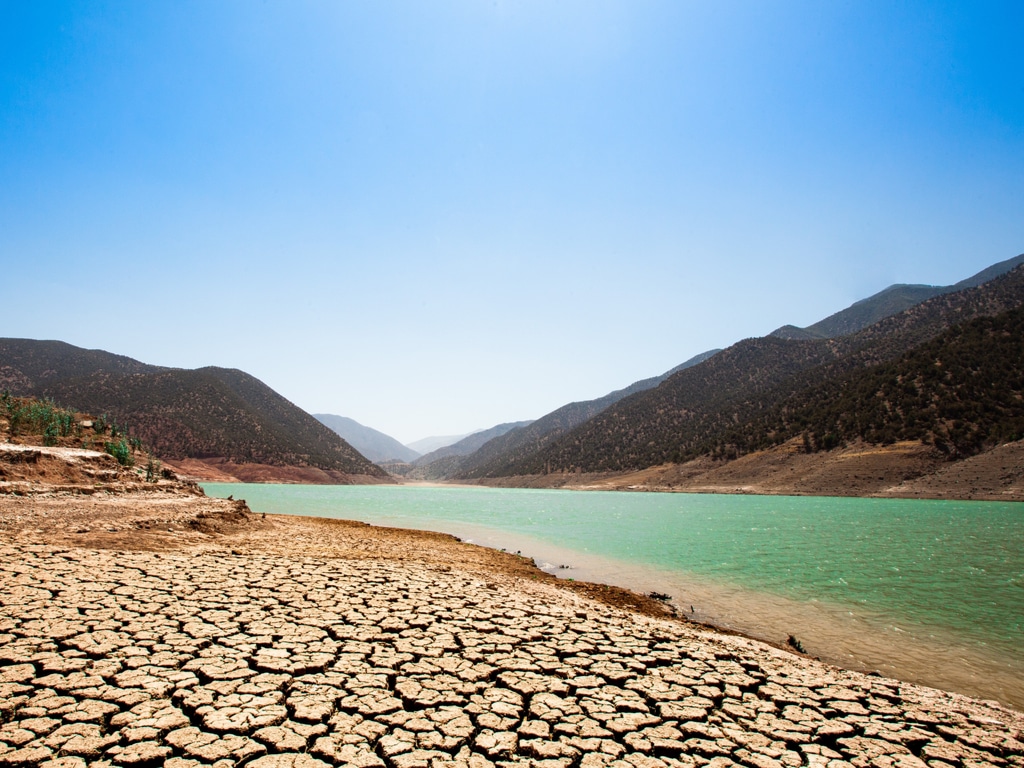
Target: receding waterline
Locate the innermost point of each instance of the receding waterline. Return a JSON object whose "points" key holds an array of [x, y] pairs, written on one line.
{"points": [[923, 590]]}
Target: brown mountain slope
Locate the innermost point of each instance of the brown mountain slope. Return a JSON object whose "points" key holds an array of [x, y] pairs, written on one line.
{"points": [[216, 416], [495, 456], [694, 412]]}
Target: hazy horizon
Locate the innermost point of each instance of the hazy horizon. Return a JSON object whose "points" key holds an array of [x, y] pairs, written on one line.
{"points": [[437, 218]]}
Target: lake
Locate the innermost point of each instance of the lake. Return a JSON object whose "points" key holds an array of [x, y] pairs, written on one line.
{"points": [[929, 591]]}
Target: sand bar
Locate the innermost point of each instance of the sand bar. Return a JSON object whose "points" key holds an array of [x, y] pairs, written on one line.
{"points": [[164, 628]]}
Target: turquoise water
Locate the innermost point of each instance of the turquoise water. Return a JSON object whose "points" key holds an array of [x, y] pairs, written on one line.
{"points": [[939, 573]]}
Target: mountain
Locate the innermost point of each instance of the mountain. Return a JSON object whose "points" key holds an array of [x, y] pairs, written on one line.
{"points": [[27, 364], [214, 416], [445, 461], [507, 446], [888, 302], [374, 445], [470, 443], [428, 444], [962, 392], [745, 398]]}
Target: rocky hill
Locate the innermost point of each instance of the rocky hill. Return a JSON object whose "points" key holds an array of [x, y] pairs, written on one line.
{"points": [[216, 418], [763, 392]]}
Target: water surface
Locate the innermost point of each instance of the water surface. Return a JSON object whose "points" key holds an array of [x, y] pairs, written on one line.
{"points": [[931, 591]]}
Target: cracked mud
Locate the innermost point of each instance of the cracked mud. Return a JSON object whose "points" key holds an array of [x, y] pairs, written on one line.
{"points": [[290, 642]]}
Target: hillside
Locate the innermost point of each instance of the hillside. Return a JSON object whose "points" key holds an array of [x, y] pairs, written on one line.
{"points": [[470, 443], [861, 314], [494, 455], [211, 416], [371, 443], [27, 364], [962, 392], [46, 448], [723, 407], [443, 462], [898, 470], [425, 445], [888, 302]]}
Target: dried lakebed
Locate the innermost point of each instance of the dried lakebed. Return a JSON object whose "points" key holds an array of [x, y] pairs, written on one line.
{"points": [[164, 639]]}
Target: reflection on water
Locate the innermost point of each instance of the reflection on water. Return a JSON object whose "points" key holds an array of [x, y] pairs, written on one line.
{"points": [[923, 591]]}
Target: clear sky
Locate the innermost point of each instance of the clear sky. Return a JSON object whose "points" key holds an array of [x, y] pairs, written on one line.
{"points": [[433, 217]]}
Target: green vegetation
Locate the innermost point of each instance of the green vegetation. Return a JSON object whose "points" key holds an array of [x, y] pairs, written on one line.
{"points": [[120, 451], [153, 470], [38, 417], [28, 416]]}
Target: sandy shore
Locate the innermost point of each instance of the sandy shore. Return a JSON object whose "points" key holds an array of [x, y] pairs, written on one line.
{"points": [[168, 629]]}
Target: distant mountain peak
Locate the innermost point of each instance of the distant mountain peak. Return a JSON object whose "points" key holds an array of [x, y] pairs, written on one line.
{"points": [[373, 444], [886, 303], [427, 444]]}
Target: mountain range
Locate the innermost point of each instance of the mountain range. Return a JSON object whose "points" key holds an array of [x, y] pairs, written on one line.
{"points": [[902, 383], [446, 460], [493, 457], [217, 422], [754, 394], [819, 386]]}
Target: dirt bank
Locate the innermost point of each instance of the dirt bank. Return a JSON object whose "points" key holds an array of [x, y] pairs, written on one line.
{"points": [[901, 470]]}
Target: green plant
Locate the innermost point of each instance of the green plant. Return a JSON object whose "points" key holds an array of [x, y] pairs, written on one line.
{"points": [[122, 452], [41, 417], [152, 470]]}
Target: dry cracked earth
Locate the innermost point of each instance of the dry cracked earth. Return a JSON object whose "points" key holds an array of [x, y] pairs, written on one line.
{"points": [[225, 651]]}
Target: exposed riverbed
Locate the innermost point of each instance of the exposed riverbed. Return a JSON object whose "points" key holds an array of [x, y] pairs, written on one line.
{"points": [[920, 590]]}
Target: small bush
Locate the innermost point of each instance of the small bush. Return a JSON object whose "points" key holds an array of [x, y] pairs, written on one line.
{"points": [[122, 452]]}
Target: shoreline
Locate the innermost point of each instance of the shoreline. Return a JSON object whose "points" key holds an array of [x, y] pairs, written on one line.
{"points": [[183, 629], [904, 470], [830, 632], [850, 635]]}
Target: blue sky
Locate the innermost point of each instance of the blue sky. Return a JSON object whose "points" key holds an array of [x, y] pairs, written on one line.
{"points": [[435, 217]]}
